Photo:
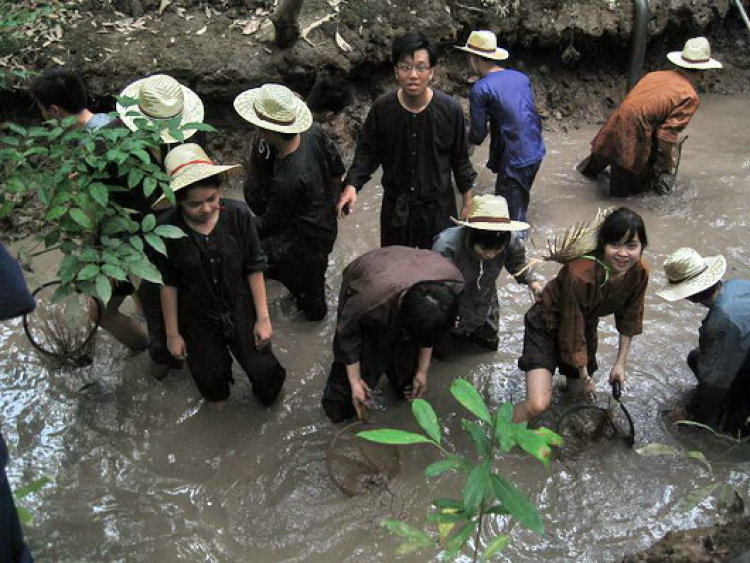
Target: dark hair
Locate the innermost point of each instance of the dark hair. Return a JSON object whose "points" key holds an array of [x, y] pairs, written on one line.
{"points": [[286, 136], [214, 181], [703, 297], [622, 223], [428, 309], [330, 92], [488, 240], [60, 87], [406, 45]]}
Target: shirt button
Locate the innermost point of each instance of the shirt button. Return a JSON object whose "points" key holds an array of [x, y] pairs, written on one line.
{"points": [[411, 189]]}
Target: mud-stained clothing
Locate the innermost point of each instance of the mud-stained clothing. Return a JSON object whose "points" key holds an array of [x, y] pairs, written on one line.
{"points": [[659, 107], [505, 100], [562, 329], [420, 154], [299, 226], [478, 305], [215, 307], [721, 362], [368, 327]]}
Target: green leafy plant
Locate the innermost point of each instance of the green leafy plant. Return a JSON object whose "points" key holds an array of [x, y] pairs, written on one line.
{"points": [[485, 492], [35, 486], [74, 175], [15, 18]]}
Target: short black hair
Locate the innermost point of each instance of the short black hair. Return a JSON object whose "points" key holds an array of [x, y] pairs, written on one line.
{"points": [[703, 297], [407, 45], [621, 224], [428, 310], [488, 240], [214, 181], [60, 87], [330, 92]]}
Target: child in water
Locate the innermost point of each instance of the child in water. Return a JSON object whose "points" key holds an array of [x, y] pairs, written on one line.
{"points": [[561, 331], [214, 294]]}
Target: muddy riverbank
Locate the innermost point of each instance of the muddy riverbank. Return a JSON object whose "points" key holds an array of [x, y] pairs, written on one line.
{"points": [[143, 472]]}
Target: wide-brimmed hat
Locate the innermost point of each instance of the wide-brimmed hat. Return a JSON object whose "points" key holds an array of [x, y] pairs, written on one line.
{"points": [[696, 54], [161, 98], [484, 44], [689, 273], [490, 213], [274, 107], [187, 164]]}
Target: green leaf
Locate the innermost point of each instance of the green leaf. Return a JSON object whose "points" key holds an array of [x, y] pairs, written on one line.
{"points": [[697, 455], [144, 269], [532, 443], [469, 397], [148, 223], [449, 503], [496, 546], [552, 438], [34, 487], [68, 267], [426, 418], [137, 243], [63, 291], [394, 437], [56, 213], [657, 448], [80, 217], [88, 272], [496, 509], [142, 155], [408, 532], [134, 177], [442, 466], [448, 517], [477, 487], [156, 243], [517, 504], [459, 539], [103, 288], [114, 272], [149, 186], [504, 433], [169, 231], [24, 516], [99, 193], [478, 436], [697, 496]]}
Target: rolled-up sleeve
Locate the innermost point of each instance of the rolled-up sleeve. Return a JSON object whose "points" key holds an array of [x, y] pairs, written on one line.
{"points": [[572, 324], [629, 320], [677, 120]]}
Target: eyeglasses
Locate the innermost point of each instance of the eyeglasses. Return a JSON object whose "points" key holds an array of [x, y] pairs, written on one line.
{"points": [[407, 68]]}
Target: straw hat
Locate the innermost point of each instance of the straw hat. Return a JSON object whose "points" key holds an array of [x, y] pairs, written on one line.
{"points": [[696, 54], [187, 164], [490, 213], [274, 107], [484, 44], [689, 273], [161, 97]]}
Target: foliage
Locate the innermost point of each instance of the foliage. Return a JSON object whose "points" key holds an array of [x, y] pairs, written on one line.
{"points": [[14, 16], [35, 486], [485, 492], [79, 176]]}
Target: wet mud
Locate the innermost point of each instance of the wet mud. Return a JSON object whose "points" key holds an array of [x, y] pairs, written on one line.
{"points": [[143, 471]]}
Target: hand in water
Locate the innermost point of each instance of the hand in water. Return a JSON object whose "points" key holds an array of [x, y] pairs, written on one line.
{"points": [[176, 346], [360, 397], [418, 386], [262, 332]]}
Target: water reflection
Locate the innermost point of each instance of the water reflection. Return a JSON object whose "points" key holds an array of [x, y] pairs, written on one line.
{"points": [[144, 472]]}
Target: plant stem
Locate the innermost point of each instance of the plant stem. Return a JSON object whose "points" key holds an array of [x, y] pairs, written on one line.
{"points": [[480, 521]]}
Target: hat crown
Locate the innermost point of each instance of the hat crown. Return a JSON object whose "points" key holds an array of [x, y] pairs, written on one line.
{"points": [[684, 264], [161, 97], [183, 156], [485, 41], [277, 104], [696, 50], [489, 206]]}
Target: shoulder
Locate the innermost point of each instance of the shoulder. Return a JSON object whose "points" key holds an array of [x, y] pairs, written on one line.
{"points": [[385, 101], [443, 99], [580, 269], [236, 207], [449, 238]]}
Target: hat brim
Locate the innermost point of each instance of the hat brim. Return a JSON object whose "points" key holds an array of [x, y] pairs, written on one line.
{"points": [[498, 55], [244, 105], [192, 174], [510, 226], [675, 57], [192, 111], [716, 266]]}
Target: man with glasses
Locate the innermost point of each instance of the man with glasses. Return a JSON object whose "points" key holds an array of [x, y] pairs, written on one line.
{"points": [[418, 135]]}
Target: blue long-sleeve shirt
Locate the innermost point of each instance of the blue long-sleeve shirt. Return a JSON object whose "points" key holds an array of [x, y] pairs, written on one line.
{"points": [[504, 100]]}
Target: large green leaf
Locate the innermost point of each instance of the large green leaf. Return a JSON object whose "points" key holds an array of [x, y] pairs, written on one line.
{"points": [[99, 193], [496, 546], [408, 532], [145, 270], [88, 272], [135, 175], [469, 397], [103, 288], [80, 217], [148, 223], [443, 466], [449, 503], [517, 504], [657, 448], [532, 443], [169, 231], [56, 213], [394, 437], [156, 243], [448, 517], [477, 487], [114, 272], [426, 418], [459, 539], [478, 436]]}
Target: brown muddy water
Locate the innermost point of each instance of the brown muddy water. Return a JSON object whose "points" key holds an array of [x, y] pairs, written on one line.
{"points": [[143, 471]]}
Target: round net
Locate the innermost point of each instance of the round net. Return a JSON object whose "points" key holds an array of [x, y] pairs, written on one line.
{"points": [[584, 424], [357, 466], [63, 329]]}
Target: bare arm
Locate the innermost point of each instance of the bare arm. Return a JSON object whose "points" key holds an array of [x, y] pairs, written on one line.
{"points": [[360, 390], [262, 331], [618, 370], [175, 342], [419, 384]]}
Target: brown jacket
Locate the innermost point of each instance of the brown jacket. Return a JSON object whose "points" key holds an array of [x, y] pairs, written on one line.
{"points": [[659, 107], [578, 296]]}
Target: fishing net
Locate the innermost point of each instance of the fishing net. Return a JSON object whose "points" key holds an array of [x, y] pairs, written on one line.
{"points": [[582, 424], [357, 466], [63, 329]]}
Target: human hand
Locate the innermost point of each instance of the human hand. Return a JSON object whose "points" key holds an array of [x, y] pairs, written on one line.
{"points": [[262, 332], [618, 373], [360, 396], [418, 386], [346, 202], [536, 288], [176, 346]]}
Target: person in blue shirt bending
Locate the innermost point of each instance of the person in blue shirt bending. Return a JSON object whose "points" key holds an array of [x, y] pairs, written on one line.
{"points": [[503, 97]]}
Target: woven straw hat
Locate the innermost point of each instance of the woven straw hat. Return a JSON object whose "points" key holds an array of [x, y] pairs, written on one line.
{"points": [[696, 54], [274, 107], [187, 164], [161, 97], [490, 213], [689, 273], [484, 44]]}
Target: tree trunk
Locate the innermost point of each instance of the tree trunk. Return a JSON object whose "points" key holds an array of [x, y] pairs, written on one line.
{"points": [[286, 21]]}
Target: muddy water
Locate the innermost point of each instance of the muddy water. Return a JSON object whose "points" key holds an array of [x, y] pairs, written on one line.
{"points": [[144, 472]]}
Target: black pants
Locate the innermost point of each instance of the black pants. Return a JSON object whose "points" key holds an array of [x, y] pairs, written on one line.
{"points": [[12, 547], [210, 351]]}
